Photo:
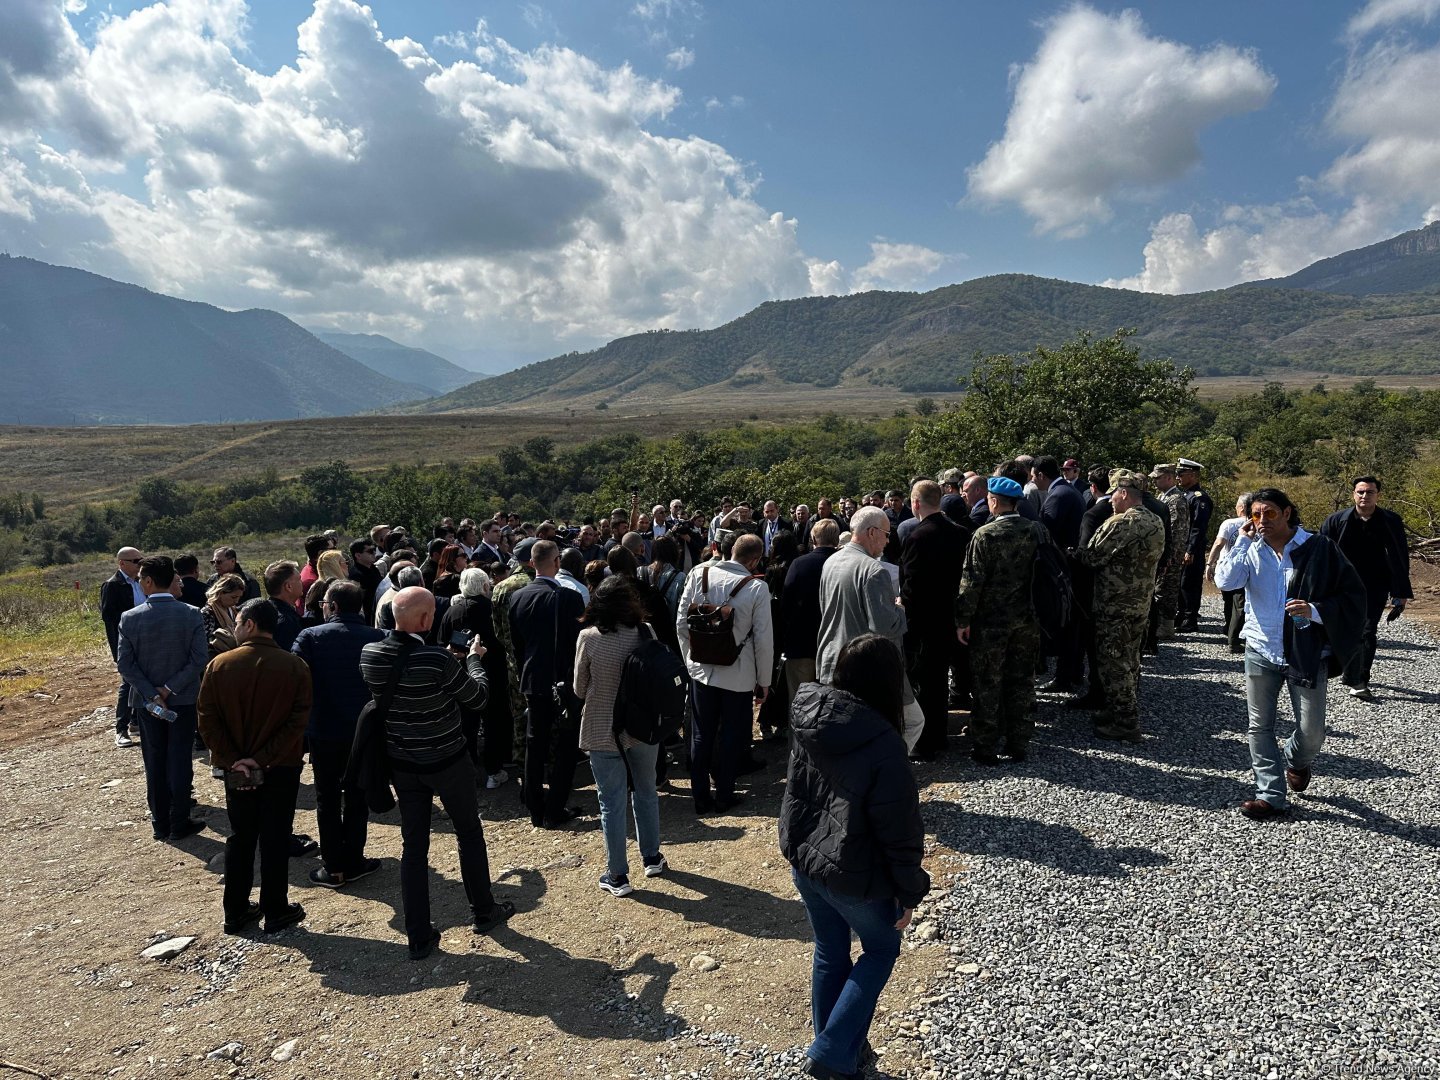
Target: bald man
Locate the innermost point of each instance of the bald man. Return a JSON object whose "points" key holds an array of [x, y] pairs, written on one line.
{"points": [[425, 742], [118, 594]]}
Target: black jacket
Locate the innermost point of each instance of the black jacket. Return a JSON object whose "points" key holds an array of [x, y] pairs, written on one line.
{"points": [[850, 818], [116, 598], [800, 605], [544, 626], [931, 559], [1324, 577], [368, 578], [1397, 551]]}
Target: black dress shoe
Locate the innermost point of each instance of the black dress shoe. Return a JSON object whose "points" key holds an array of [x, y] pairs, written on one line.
{"points": [[703, 807], [302, 845], [425, 948], [188, 827], [563, 818], [729, 802], [292, 914], [243, 922]]}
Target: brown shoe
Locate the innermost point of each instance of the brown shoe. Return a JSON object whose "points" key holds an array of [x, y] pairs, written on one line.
{"points": [[1260, 810], [1298, 779]]}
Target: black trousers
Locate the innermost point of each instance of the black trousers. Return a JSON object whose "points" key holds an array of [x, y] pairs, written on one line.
{"points": [[1358, 673], [497, 725], [340, 812], [1234, 600], [928, 660], [719, 734], [262, 816], [165, 746], [1192, 581], [415, 792], [124, 715], [552, 746]]}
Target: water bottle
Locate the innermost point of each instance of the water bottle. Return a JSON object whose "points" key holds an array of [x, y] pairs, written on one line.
{"points": [[160, 712], [1300, 621]]}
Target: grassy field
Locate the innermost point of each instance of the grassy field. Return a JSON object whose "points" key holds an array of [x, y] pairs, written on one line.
{"points": [[68, 466]]}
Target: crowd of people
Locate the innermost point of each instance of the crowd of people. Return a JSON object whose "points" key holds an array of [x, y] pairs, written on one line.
{"points": [[410, 668]]}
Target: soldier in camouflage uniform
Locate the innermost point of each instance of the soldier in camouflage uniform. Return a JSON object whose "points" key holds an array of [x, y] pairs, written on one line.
{"points": [[1167, 589], [500, 597], [1123, 553], [996, 619]]}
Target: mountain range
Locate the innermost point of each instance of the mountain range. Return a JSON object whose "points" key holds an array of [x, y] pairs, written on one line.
{"points": [[78, 348], [1370, 311]]}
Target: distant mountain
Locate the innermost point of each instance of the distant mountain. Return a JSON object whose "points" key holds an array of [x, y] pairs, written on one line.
{"points": [[77, 348], [1406, 263], [434, 374], [923, 342]]}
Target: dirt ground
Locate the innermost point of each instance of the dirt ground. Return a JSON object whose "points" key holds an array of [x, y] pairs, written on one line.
{"points": [[579, 983]]}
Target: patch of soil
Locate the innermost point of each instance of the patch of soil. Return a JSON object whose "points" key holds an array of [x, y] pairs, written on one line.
{"points": [[578, 983], [55, 688]]}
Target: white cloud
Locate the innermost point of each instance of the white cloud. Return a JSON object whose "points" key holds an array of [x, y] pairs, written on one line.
{"points": [[519, 200], [680, 58], [1378, 14], [897, 266], [1103, 108]]}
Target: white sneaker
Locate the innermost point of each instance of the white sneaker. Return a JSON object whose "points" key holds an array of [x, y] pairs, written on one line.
{"points": [[497, 780], [123, 741]]}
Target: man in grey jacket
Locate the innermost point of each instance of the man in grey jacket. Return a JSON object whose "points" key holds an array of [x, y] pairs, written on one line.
{"points": [[857, 596], [722, 695], [161, 654]]}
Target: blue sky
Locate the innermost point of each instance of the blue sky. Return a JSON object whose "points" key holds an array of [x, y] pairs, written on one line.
{"points": [[502, 182]]}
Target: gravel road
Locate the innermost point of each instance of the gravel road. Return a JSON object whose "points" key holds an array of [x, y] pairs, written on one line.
{"points": [[1119, 918]]}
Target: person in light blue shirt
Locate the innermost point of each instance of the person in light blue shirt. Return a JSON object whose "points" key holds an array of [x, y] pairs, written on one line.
{"points": [[1299, 602]]}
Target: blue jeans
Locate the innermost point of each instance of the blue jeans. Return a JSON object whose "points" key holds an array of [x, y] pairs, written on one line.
{"points": [[1268, 758], [165, 746], [843, 993], [611, 785]]}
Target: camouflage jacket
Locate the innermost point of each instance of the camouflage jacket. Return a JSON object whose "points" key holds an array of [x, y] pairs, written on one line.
{"points": [[1124, 553], [999, 566], [1179, 508], [500, 597]]}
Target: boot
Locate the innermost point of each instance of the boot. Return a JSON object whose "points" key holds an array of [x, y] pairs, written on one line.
{"points": [[1166, 630]]}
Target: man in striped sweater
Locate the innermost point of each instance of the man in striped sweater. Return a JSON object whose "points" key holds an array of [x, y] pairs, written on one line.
{"points": [[426, 747]]}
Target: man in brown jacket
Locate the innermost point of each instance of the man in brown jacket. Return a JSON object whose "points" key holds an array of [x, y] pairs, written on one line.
{"points": [[254, 704]]}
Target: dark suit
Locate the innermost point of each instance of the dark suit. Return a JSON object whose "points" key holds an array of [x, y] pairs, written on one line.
{"points": [[1381, 556], [474, 613], [955, 507], [769, 531], [930, 563], [544, 625], [192, 591], [1061, 513], [162, 643], [117, 597]]}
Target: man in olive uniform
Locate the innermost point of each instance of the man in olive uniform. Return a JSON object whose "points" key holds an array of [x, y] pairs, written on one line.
{"points": [[1192, 580], [1123, 553], [1167, 589], [996, 619], [500, 597]]}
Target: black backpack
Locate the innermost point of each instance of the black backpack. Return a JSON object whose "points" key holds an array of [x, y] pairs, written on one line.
{"points": [[651, 697], [1050, 590]]}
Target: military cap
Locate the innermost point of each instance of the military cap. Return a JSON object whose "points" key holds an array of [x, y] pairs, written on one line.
{"points": [[1004, 487], [523, 548], [1125, 478], [1162, 469], [1070, 463], [1184, 464], [951, 476]]}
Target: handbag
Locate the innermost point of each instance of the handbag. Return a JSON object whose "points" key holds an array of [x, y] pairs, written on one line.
{"points": [[712, 626]]}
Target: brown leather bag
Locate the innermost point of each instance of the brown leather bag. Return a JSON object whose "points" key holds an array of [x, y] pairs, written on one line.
{"points": [[712, 626]]}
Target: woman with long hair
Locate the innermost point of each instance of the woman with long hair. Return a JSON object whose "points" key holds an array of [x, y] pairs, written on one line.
{"points": [[611, 632], [850, 826], [222, 599], [448, 568], [331, 566]]}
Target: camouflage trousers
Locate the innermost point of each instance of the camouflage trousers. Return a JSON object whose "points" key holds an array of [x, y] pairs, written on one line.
{"points": [[1117, 647], [1002, 685], [1167, 588], [519, 711]]}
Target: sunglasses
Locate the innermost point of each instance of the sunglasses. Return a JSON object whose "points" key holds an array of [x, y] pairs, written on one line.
{"points": [[1268, 514]]}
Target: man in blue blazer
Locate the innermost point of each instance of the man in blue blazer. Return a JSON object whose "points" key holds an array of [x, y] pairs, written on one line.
{"points": [[161, 655]]}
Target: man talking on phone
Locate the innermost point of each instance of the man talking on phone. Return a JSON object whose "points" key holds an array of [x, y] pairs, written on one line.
{"points": [[254, 705], [1304, 617]]}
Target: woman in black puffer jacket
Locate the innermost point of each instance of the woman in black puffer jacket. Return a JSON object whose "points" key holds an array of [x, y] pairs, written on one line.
{"points": [[850, 826]]}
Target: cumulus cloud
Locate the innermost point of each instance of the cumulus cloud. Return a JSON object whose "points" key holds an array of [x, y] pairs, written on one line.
{"points": [[1102, 108], [517, 198], [897, 266], [678, 59]]}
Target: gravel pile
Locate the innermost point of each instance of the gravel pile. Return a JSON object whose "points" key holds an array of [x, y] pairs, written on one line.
{"points": [[1119, 918]]}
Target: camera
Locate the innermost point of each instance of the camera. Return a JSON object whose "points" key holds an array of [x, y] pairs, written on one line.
{"points": [[461, 639]]}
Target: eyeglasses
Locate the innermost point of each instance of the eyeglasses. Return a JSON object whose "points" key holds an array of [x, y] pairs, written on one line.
{"points": [[1268, 514], [132, 562]]}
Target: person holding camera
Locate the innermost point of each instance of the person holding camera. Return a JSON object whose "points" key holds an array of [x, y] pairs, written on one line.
{"points": [[254, 705], [544, 620]]}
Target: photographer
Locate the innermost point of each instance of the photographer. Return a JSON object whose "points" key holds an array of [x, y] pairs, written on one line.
{"points": [[254, 705]]}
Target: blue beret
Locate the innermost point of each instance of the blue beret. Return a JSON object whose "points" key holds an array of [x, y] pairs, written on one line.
{"points": [[1003, 485]]}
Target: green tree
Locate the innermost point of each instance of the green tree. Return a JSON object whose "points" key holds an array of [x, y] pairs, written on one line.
{"points": [[540, 449], [1084, 399]]}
